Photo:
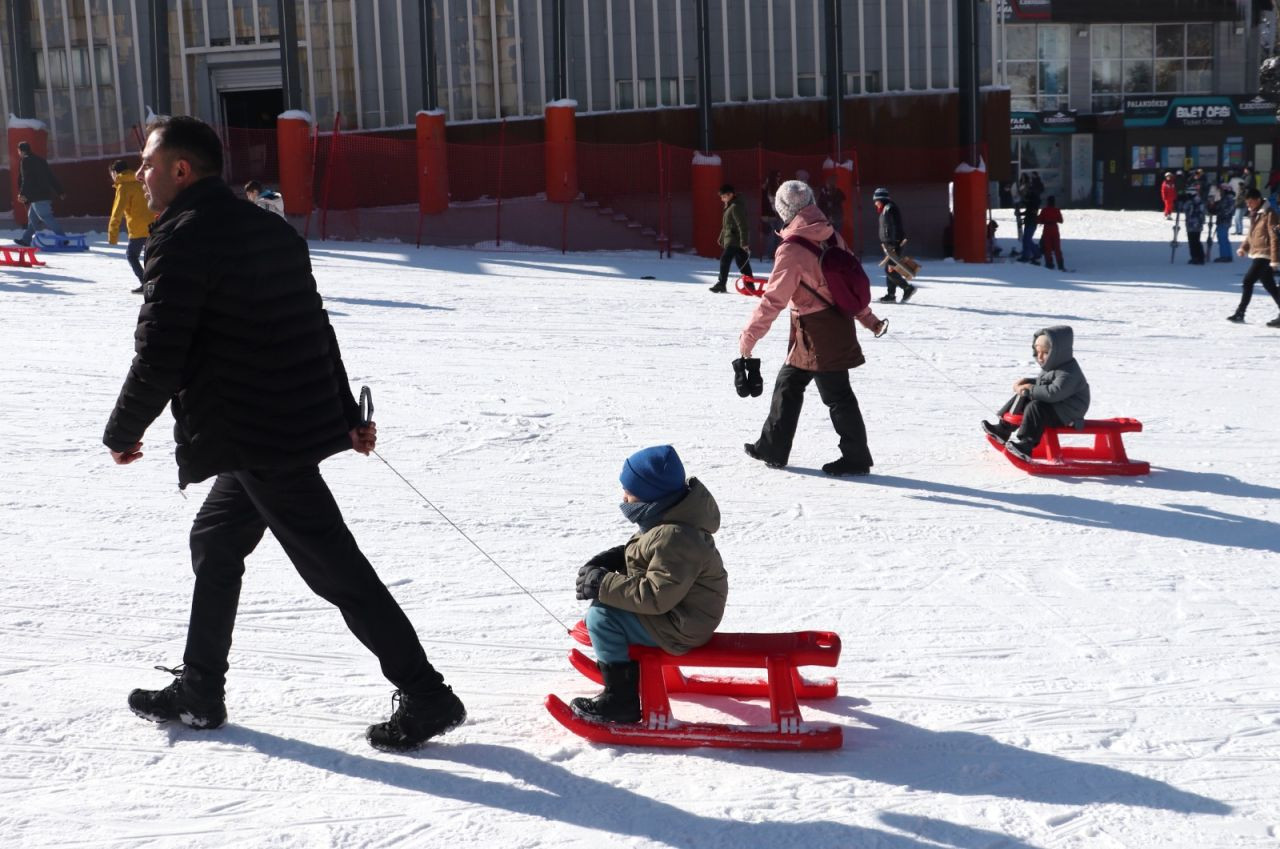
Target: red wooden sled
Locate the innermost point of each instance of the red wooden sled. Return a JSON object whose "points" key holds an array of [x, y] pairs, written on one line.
{"points": [[22, 257], [753, 286], [660, 676], [1105, 457]]}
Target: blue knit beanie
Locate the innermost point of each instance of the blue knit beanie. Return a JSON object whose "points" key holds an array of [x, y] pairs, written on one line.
{"points": [[652, 474]]}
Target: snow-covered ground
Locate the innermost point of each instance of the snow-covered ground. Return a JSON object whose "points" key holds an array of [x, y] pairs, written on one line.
{"points": [[1028, 662]]}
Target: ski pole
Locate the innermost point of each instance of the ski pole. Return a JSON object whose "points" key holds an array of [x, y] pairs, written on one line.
{"points": [[366, 416]]}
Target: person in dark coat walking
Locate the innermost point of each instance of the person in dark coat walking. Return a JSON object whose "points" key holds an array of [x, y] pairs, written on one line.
{"points": [[735, 237], [1193, 215], [233, 336], [892, 238], [823, 345], [37, 186], [1030, 218]]}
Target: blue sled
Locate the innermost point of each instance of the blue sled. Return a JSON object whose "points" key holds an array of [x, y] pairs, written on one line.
{"points": [[53, 243]]}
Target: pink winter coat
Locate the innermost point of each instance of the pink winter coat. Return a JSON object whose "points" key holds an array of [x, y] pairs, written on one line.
{"points": [[791, 264]]}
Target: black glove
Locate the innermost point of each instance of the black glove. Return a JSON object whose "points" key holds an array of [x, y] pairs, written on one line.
{"points": [[746, 377], [589, 578], [613, 560]]}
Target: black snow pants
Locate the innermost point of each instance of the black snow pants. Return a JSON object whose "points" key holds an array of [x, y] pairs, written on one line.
{"points": [[1036, 416], [733, 254], [298, 507], [779, 429], [1259, 272]]}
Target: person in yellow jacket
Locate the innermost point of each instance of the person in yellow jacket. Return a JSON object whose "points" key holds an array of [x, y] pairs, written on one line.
{"points": [[130, 208]]}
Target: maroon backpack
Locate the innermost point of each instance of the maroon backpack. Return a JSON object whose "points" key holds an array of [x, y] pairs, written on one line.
{"points": [[847, 282]]}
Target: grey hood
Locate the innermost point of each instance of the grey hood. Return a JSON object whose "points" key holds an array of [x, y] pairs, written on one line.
{"points": [[1060, 345]]}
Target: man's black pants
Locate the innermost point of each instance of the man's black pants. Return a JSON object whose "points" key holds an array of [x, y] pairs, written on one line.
{"points": [[1259, 272], [733, 254], [298, 507], [779, 429]]}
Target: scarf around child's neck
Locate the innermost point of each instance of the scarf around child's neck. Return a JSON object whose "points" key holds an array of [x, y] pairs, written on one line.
{"points": [[648, 514]]}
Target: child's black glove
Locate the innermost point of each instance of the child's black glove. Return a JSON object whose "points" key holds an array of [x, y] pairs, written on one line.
{"points": [[746, 377], [589, 578], [613, 560]]}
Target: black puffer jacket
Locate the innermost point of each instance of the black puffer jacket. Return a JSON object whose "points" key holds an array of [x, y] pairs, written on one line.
{"points": [[233, 334], [35, 179]]}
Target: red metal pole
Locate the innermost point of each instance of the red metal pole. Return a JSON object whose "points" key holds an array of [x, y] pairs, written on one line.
{"points": [[315, 150], [502, 140], [328, 176]]}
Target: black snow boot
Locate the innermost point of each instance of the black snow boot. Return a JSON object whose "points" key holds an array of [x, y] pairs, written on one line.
{"points": [[416, 719], [1001, 430], [719, 287], [754, 453], [620, 700], [845, 467], [1237, 317], [1275, 322], [178, 702]]}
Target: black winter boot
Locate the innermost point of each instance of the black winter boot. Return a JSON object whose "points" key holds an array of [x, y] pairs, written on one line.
{"points": [[178, 702], [845, 467], [416, 720], [720, 288], [620, 701]]}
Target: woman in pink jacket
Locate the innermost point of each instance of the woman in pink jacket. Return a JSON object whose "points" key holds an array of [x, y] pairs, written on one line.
{"points": [[823, 344]]}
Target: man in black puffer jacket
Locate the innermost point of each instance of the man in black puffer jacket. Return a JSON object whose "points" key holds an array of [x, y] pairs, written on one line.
{"points": [[234, 337]]}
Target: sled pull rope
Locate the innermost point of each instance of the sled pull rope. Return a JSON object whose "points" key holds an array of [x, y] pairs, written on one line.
{"points": [[366, 415], [945, 376]]}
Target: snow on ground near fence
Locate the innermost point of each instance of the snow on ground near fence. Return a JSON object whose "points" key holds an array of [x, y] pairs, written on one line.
{"points": [[1027, 662]]}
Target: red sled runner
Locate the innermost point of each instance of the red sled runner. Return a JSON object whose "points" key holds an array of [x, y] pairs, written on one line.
{"points": [[660, 676], [1105, 457], [753, 286], [19, 255]]}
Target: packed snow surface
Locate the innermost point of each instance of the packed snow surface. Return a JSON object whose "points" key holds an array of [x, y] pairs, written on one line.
{"points": [[1027, 662]]}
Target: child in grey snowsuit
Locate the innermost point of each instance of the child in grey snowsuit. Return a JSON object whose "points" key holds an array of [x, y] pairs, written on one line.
{"points": [[1057, 397]]}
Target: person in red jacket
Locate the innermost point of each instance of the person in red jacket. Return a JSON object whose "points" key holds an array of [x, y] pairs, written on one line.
{"points": [[1168, 194], [1050, 240]]}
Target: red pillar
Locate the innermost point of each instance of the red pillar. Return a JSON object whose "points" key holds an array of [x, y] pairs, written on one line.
{"points": [[708, 211], [969, 213], [561, 144], [36, 134], [433, 163], [297, 171]]}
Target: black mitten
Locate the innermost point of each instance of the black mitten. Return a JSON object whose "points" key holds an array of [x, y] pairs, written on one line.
{"points": [[589, 578], [755, 383], [613, 560], [740, 377]]}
